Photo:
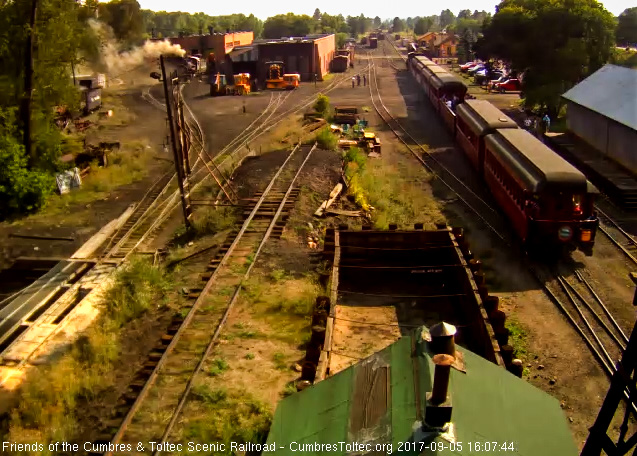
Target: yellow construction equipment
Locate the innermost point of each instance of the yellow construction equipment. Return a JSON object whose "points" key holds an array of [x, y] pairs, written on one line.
{"points": [[218, 84], [241, 84], [291, 80], [274, 78]]}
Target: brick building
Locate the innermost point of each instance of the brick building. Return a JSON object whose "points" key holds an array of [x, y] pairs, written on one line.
{"points": [[306, 55], [219, 43]]}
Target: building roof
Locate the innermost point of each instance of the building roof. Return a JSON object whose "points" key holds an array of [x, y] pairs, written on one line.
{"points": [[380, 400], [425, 36], [534, 163], [611, 91], [482, 117], [296, 39]]}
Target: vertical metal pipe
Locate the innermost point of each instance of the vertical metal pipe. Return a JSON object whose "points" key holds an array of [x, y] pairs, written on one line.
{"points": [[441, 378]]}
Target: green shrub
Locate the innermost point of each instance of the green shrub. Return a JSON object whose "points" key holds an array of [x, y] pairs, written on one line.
{"points": [[22, 190], [212, 221], [322, 105], [326, 139], [138, 286]]}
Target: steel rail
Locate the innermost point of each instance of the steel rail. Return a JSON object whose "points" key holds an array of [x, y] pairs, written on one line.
{"points": [[581, 278], [233, 300], [424, 163], [191, 313]]}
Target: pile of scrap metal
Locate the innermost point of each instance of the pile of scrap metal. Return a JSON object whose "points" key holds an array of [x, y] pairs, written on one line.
{"points": [[357, 137], [345, 115]]}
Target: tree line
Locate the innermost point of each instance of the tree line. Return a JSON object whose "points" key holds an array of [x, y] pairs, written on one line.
{"points": [[554, 44]]}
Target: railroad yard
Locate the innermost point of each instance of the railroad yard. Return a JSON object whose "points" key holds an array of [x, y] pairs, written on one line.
{"points": [[228, 324]]}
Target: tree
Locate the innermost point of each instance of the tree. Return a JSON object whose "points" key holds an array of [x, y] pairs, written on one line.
{"points": [[125, 18], [398, 25], [288, 25], [377, 22], [466, 45], [580, 41], [627, 27], [464, 14], [422, 25], [446, 18], [340, 40], [317, 15]]}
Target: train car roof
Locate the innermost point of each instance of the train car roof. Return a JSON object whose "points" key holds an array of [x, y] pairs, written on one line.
{"points": [[446, 79], [482, 117], [537, 166], [424, 60]]}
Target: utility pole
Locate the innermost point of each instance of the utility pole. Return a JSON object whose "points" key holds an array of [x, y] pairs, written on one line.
{"points": [[25, 113], [185, 198]]}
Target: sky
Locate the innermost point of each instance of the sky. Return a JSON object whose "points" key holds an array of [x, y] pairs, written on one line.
{"points": [[383, 8]]}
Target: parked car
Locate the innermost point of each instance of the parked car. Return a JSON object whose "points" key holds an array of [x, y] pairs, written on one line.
{"points": [[464, 67], [491, 84], [476, 68], [484, 76], [509, 84]]}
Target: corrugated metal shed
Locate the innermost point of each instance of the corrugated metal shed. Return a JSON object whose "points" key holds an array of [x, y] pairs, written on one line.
{"points": [[610, 91], [381, 400]]}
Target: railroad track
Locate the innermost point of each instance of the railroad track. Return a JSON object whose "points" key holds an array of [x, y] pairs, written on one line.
{"points": [[618, 236], [579, 302], [168, 373], [482, 209]]}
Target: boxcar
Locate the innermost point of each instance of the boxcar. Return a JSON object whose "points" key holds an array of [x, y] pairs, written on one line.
{"points": [[475, 120], [549, 202]]}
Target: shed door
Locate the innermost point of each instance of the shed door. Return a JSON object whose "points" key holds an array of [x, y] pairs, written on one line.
{"points": [[292, 64]]}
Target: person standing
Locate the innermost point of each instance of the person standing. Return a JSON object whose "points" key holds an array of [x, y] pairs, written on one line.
{"points": [[364, 80], [358, 80], [353, 81], [546, 123]]}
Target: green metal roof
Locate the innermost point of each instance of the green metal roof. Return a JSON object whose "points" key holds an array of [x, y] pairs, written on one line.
{"points": [[377, 401]]}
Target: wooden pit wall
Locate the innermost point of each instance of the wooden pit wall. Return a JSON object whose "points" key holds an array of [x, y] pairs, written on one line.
{"points": [[479, 304]]}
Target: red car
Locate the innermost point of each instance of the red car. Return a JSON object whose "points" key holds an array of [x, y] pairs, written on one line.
{"points": [[466, 66], [509, 84]]}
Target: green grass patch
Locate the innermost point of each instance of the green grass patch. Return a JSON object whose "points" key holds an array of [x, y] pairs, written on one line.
{"points": [[128, 165], [625, 58], [395, 191], [214, 220], [326, 139], [51, 402], [228, 416], [517, 338], [280, 361], [249, 356], [219, 366], [139, 287]]}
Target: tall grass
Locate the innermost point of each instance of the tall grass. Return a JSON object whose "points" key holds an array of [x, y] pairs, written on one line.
{"points": [[228, 416], [326, 139], [140, 286], [212, 221], [50, 402], [355, 163]]}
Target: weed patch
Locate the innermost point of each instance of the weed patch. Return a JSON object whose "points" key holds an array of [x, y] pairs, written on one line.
{"points": [[212, 221], [219, 366], [397, 195], [229, 416], [517, 338], [139, 286], [280, 361], [50, 403], [326, 139]]}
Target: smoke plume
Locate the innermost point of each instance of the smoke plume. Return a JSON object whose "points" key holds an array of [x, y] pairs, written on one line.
{"points": [[115, 62]]}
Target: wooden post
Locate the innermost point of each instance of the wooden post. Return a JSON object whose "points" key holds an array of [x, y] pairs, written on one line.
{"points": [[25, 112], [179, 168]]}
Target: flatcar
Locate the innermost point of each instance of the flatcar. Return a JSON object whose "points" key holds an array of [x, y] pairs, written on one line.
{"points": [[548, 201]]}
